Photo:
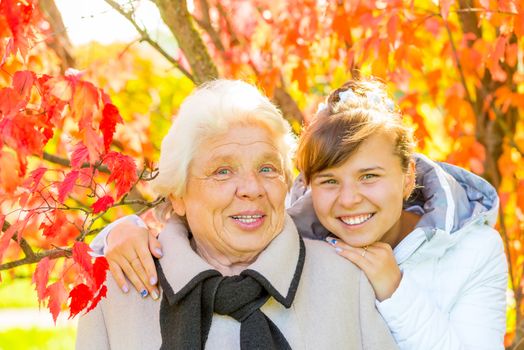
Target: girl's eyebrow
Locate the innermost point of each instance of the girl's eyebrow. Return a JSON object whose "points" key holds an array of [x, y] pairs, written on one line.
{"points": [[323, 175], [365, 170]]}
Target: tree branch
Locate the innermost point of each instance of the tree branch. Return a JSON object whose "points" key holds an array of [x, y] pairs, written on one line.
{"points": [[144, 36], [51, 254], [65, 162]]}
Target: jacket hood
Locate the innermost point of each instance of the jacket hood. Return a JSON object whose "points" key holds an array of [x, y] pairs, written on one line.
{"points": [[446, 196], [449, 197]]}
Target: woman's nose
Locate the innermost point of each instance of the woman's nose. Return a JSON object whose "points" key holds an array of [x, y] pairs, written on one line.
{"points": [[349, 195], [249, 186]]}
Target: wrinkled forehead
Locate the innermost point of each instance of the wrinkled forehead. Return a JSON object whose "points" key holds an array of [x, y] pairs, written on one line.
{"points": [[242, 144]]}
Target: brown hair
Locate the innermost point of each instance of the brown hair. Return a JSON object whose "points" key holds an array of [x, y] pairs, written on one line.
{"points": [[352, 113]]}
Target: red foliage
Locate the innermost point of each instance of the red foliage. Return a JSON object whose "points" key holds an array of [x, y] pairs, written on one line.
{"points": [[41, 276], [123, 171], [102, 204], [110, 118], [80, 297]]}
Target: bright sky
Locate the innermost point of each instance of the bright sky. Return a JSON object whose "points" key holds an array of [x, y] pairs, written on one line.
{"points": [[94, 20]]}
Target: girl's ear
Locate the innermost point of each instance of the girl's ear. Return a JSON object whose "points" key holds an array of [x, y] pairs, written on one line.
{"points": [[178, 204], [409, 179]]}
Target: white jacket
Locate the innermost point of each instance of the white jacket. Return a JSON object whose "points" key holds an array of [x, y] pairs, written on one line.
{"points": [[454, 273], [453, 290]]}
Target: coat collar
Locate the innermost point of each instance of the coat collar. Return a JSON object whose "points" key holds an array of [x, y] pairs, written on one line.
{"points": [[279, 266]]}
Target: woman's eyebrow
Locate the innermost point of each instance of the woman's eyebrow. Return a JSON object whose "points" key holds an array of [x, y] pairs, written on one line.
{"points": [[271, 156]]}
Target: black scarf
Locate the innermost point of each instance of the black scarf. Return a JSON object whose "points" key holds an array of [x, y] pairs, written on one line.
{"points": [[185, 317]]}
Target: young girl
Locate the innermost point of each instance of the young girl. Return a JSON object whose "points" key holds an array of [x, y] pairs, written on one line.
{"points": [[421, 231]]}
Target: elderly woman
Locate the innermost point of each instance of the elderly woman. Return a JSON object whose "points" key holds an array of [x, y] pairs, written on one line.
{"points": [[241, 277]]}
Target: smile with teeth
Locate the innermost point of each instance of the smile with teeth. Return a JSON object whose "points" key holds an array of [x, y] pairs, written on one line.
{"points": [[355, 220], [247, 219]]}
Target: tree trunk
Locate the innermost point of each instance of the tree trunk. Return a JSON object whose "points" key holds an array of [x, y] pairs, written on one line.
{"points": [[59, 42], [180, 23]]}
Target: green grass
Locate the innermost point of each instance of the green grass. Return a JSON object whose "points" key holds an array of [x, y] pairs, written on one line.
{"points": [[62, 338], [17, 293]]}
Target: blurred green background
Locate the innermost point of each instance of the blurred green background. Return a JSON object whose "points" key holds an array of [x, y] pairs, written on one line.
{"points": [[23, 325]]}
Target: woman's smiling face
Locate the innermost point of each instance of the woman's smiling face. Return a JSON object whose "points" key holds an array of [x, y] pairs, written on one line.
{"points": [[360, 201], [234, 198]]}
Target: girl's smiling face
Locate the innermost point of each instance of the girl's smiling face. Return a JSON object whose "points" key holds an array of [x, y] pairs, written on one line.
{"points": [[360, 201]]}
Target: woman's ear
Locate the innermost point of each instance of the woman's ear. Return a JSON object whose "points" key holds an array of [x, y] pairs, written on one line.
{"points": [[178, 205], [410, 179]]}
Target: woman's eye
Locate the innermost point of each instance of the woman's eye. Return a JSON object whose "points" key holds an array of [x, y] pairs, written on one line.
{"points": [[223, 171], [267, 169]]}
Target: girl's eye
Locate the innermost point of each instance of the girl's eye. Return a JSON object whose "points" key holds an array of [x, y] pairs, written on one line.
{"points": [[329, 182], [367, 177]]}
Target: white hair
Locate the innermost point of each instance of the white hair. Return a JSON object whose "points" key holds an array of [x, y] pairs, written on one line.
{"points": [[210, 111]]}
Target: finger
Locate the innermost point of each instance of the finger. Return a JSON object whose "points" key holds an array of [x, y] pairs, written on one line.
{"points": [[133, 277], [148, 266], [355, 257], [341, 244], [155, 247], [138, 266], [118, 276]]}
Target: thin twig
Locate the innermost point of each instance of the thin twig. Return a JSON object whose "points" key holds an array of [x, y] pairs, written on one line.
{"points": [[144, 36], [459, 66]]}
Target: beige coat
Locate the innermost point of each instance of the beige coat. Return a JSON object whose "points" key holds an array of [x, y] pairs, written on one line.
{"points": [[334, 307]]}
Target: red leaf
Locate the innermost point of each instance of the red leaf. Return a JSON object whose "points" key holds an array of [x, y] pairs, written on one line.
{"points": [[10, 102], [57, 295], [101, 294], [102, 204], [2, 220], [41, 276], [100, 268], [123, 171], [66, 186], [81, 256], [6, 237], [80, 155], [23, 82], [80, 297], [56, 220], [110, 117], [34, 179]]}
